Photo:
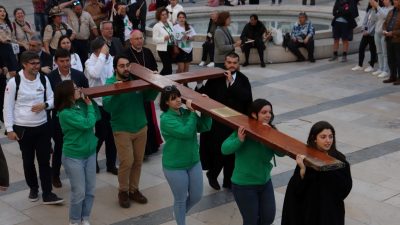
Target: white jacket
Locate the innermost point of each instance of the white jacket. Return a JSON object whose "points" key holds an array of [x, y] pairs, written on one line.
{"points": [[30, 93], [159, 32], [98, 70], [172, 17]]}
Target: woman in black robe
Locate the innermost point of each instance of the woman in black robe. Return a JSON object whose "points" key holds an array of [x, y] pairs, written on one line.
{"points": [[316, 197]]}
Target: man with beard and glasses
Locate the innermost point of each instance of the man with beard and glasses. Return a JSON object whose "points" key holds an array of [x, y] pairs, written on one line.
{"points": [[129, 125], [234, 91]]}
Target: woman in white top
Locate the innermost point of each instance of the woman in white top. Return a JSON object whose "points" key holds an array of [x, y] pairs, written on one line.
{"points": [[163, 36], [184, 34], [174, 8], [65, 43], [22, 29], [382, 9]]}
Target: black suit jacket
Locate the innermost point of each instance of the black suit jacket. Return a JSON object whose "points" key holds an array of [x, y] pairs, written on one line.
{"points": [[116, 47], [54, 77], [46, 60]]}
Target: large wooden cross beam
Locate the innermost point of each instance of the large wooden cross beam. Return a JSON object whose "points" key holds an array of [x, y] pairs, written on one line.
{"points": [[268, 136]]}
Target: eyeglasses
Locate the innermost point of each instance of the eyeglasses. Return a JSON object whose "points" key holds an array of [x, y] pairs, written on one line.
{"points": [[170, 88]]}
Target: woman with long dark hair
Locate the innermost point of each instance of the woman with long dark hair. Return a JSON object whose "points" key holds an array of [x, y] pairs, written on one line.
{"points": [[251, 179], [77, 119], [317, 197], [184, 36], [6, 39], [181, 160], [65, 43]]}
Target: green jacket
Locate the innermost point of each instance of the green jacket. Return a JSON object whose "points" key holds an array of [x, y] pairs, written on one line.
{"points": [[181, 149], [252, 160], [77, 125], [127, 109]]}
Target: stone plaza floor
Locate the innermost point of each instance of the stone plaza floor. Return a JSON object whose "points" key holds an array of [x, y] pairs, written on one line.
{"points": [[364, 111]]}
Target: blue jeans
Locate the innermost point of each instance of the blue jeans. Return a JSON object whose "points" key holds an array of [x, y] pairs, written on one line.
{"points": [[187, 188], [381, 50], [256, 203], [40, 20], [82, 177]]}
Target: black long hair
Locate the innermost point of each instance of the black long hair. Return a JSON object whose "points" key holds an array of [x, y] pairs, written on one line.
{"points": [[318, 128], [7, 19], [187, 26], [64, 95], [256, 107]]}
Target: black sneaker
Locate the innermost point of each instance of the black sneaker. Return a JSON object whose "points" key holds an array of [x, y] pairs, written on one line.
{"points": [[52, 199], [33, 196]]}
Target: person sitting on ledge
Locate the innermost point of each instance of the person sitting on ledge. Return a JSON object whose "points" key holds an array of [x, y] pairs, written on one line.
{"points": [[252, 36], [302, 36]]}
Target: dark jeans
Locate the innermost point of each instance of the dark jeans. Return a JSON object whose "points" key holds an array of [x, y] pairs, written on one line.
{"points": [[36, 141], [4, 176], [58, 143], [166, 60], [294, 46], [256, 203], [259, 45], [81, 48], [393, 53], [367, 40], [208, 50], [104, 134], [40, 21], [312, 2]]}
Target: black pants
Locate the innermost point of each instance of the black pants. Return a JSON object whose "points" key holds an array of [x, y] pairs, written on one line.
{"points": [[81, 48], [208, 50], [312, 2], [367, 40], [166, 60], [220, 161], [259, 45], [294, 46], [141, 20], [4, 176], [254, 2], [36, 141], [393, 53], [104, 133], [58, 143]]}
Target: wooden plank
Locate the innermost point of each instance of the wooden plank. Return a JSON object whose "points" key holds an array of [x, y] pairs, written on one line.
{"points": [[135, 85], [268, 136]]}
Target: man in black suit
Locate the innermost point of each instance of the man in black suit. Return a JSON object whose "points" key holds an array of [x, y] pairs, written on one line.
{"points": [[234, 91], [46, 61], [64, 72], [114, 44]]}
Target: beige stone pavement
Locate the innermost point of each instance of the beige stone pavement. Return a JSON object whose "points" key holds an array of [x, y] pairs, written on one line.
{"points": [[365, 113]]}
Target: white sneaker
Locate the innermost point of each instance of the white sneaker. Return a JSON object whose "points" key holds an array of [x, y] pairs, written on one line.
{"points": [[369, 69], [356, 68], [211, 64], [202, 63], [383, 75], [85, 222], [376, 73]]}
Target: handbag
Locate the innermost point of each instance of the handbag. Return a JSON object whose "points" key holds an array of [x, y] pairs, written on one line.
{"points": [[152, 6], [175, 51]]}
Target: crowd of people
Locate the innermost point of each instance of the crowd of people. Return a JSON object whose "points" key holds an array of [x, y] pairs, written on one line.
{"points": [[89, 44]]}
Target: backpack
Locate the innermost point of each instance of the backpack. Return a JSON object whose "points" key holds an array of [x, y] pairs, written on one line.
{"points": [[18, 82]]}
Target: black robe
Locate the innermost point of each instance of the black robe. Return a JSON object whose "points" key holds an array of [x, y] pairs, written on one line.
{"points": [[146, 59], [318, 199], [238, 96]]}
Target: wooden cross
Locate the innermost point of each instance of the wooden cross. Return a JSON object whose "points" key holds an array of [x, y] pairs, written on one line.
{"points": [[265, 134]]}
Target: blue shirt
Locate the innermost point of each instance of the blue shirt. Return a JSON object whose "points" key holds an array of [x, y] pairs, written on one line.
{"points": [[302, 31]]}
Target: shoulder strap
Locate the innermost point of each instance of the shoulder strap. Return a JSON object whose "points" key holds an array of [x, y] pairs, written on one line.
{"points": [[43, 81], [28, 24], [14, 26], [17, 83]]}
